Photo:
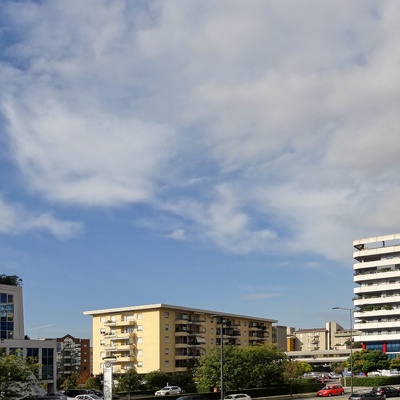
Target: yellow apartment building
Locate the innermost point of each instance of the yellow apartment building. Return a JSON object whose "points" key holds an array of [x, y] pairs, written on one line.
{"points": [[166, 337]]}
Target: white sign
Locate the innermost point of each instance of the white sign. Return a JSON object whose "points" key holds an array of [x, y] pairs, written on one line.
{"points": [[107, 384]]}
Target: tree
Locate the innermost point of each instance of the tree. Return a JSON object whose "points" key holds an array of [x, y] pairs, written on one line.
{"points": [[12, 280], [244, 367], [17, 376], [129, 382], [395, 363], [368, 360], [156, 379], [93, 383], [292, 370], [71, 381]]}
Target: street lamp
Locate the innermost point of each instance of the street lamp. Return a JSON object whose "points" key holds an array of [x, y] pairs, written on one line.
{"points": [[350, 310], [221, 320]]}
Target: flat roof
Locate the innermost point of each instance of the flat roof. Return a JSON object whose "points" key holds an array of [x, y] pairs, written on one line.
{"points": [[180, 308]]}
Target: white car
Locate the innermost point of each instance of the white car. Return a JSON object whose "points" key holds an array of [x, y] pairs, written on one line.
{"points": [[238, 396], [167, 390], [88, 397]]}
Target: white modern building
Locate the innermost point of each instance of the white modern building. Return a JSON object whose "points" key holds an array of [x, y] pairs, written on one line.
{"points": [[13, 341], [377, 295]]}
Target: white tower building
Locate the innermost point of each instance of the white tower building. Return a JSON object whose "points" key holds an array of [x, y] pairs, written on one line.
{"points": [[377, 295]]}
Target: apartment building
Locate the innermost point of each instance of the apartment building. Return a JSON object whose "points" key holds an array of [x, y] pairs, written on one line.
{"points": [[320, 346], [167, 337], [12, 336], [377, 294], [73, 355]]}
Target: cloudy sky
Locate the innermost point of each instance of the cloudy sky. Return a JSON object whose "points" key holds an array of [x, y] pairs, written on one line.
{"points": [[220, 155]]}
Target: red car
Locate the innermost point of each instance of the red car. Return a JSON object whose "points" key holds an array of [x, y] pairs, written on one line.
{"points": [[328, 391]]}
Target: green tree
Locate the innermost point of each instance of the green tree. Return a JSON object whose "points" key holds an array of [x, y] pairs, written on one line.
{"points": [[129, 382], [17, 376], [93, 383], [72, 381], [184, 378], [305, 367], [368, 360], [291, 371], [244, 367], [395, 363], [12, 280], [157, 379]]}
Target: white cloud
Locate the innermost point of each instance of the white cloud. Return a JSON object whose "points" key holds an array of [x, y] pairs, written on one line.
{"points": [[252, 124], [15, 220]]}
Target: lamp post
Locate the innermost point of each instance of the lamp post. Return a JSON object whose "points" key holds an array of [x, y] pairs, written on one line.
{"points": [[350, 310], [221, 320]]}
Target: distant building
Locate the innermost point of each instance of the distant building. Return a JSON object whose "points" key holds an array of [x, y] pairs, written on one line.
{"points": [[166, 337], [12, 337], [320, 346], [73, 355], [280, 336], [377, 295]]}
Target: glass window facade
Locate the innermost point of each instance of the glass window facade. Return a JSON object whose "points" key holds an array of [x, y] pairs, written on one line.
{"points": [[6, 316], [47, 363]]}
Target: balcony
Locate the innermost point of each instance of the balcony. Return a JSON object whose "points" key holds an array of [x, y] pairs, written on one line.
{"points": [[125, 346], [110, 323], [125, 358]]}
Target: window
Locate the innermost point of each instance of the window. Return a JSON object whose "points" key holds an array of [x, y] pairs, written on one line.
{"points": [[102, 331], [140, 364], [102, 319], [140, 340], [166, 327], [166, 351], [166, 339], [102, 342], [166, 314], [140, 316], [140, 328], [166, 363], [102, 354], [140, 352]]}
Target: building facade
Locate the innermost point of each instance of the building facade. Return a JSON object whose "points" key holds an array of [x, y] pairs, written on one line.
{"points": [[320, 346], [166, 337], [73, 355], [13, 340], [377, 293]]}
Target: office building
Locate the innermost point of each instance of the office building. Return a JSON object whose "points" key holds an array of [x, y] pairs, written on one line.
{"points": [[13, 340], [377, 295], [166, 337]]}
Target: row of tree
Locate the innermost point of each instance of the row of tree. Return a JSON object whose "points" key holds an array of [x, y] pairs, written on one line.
{"points": [[244, 368]]}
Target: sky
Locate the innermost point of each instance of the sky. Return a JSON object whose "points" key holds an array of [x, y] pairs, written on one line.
{"points": [[220, 155]]}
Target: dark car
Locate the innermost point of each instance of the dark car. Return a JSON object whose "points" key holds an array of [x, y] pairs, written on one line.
{"points": [[192, 397], [386, 391], [76, 392], [55, 396], [365, 396]]}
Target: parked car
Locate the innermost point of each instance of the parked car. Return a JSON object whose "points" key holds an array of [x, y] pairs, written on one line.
{"points": [[76, 392], [365, 396], [238, 396], [55, 396], [332, 390], [88, 397], [192, 397], [167, 390], [386, 391]]}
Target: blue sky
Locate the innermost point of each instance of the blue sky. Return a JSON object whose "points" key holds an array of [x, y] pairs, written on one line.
{"points": [[220, 155]]}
